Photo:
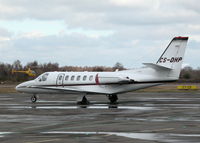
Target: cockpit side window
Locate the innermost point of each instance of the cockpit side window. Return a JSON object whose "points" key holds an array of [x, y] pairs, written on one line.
{"points": [[39, 79], [43, 77]]}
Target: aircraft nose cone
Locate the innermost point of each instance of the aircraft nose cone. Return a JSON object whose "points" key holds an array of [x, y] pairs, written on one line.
{"points": [[20, 87], [23, 86], [17, 87]]}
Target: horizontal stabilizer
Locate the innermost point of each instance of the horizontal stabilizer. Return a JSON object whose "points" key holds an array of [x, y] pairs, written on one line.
{"points": [[157, 67]]}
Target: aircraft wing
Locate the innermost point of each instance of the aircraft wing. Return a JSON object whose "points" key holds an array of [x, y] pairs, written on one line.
{"points": [[62, 89]]}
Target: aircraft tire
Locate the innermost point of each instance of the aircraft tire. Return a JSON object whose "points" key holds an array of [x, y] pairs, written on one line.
{"points": [[84, 101], [113, 98], [33, 99]]}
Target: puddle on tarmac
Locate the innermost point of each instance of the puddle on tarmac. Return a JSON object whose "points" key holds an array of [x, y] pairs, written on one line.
{"points": [[6, 98], [102, 106], [161, 119], [189, 106], [84, 106], [54, 101], [162, 137], [6, 104], [71, 105], [2, 134], [166, 99]]}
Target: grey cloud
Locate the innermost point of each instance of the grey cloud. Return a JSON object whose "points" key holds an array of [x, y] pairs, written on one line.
{"points": [[69, 49], [101, 14], [194, 45], [135, 27], [72, 40], [5, 33]]}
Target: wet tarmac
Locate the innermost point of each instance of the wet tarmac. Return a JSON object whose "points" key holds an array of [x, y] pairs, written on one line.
{"points": [[138, 118]]}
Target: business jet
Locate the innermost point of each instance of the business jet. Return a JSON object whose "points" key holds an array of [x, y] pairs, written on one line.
{"points": [[166, 69]]}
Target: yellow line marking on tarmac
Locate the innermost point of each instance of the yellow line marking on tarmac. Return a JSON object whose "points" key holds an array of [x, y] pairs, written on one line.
{"points": [[42, 141]]}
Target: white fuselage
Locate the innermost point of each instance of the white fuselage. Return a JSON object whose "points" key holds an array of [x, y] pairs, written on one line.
{"points": [[94, 82]]}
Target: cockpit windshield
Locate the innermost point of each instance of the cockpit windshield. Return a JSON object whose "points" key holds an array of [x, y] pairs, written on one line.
{"points": [[43, 77]]}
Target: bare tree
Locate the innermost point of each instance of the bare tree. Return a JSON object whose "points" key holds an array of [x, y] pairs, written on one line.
{"points": [[17, 65], [118, 66]]}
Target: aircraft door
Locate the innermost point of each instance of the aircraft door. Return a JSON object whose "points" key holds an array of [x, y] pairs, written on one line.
{"points": [[60, 79]]}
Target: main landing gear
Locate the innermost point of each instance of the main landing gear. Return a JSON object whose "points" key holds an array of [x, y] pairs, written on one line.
{"points": [[113, 98], [33, 98], [84, 101]]}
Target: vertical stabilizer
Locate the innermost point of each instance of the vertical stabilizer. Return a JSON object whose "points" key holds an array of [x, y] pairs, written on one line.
{"points": [[173, 55]]}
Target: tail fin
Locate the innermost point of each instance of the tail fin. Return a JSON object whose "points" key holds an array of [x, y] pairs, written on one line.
{"points": [[173, 55]]}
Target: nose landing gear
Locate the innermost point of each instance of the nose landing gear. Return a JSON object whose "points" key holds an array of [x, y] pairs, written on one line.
{"points": [[33, 98]]}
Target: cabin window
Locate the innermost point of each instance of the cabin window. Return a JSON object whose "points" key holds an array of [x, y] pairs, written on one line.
{"points": [[44, 77], [91, 78], [84, 77], [78, 78], [67, 77], [72, 78]]}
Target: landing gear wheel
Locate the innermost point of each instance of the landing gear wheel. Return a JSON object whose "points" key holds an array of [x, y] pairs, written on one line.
{"points": [[33, 98], [84, 101], [113, 98]]}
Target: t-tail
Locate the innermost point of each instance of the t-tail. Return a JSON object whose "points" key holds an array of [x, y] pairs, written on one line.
{"points": [[171, 60], [172, 57]]}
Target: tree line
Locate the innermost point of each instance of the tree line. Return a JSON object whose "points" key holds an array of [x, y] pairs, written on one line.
{"points": [[6, 74], [188, 74]]}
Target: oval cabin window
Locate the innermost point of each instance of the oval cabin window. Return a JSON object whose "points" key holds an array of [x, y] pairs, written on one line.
{"points": [[72, 78], [67, 77], [91, 78], [78, 78], [84, 77]]}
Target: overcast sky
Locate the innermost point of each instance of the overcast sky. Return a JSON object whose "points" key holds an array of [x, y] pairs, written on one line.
{"points": [[97, 32]]}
